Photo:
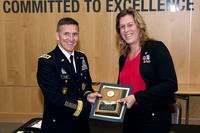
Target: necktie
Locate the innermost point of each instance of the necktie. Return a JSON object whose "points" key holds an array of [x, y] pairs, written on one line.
{"points": [[72, 62]]}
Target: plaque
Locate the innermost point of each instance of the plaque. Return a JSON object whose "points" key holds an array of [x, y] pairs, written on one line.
{"points": [[108, 103], [107, 108]]}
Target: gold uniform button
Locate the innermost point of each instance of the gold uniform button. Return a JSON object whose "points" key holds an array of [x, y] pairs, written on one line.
{"points": [[64, 91]]}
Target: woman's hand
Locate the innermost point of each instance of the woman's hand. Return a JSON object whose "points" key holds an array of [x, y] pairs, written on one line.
{"points": [[129, 101]]}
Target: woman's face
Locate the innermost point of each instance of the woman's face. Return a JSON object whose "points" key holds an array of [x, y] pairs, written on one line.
{"points": [[129, 30]]}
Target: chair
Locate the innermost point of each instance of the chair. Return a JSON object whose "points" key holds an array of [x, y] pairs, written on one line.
{"points": [[176, 113]]}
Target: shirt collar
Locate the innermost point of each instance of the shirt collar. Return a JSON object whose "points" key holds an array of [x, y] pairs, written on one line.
{"points": [[65, 52]]}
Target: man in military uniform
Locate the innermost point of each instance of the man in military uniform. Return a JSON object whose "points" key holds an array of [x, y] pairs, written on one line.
{"points": [[64, 78]]}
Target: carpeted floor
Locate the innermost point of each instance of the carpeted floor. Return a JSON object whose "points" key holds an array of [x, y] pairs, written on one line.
{"points": [[105, 127], [6, 127], [97, 127]]}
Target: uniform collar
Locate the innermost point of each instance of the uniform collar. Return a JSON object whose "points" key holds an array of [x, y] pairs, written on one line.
{"points": [[65, 52]]}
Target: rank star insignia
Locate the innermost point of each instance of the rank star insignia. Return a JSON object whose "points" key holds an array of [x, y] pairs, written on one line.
{"points": [[46, 56]]}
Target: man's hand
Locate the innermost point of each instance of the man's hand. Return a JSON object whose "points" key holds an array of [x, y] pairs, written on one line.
{"points": [[92, 97]]}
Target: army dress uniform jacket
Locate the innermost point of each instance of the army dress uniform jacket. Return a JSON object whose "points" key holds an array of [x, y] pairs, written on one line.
{"points": [[66, 108]]}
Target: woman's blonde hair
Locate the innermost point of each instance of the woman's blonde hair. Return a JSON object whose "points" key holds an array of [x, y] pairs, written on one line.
{"points": [[143, 36]]}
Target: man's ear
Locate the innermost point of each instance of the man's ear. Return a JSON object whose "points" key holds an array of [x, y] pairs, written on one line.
{"points": [[57, 36]]}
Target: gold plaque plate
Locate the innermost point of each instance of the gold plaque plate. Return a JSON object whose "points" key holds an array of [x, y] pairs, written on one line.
{"points": [[108, 103]]}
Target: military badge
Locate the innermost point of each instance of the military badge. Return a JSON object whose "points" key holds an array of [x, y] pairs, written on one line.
{"points": [[84, 65], [63, 71], [70, 105], [64, 77], [64, 74], [83, 86], [146, 58], [64, 91]]}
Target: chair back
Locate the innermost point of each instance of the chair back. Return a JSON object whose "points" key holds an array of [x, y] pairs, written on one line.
{"points": [[176, 113]]}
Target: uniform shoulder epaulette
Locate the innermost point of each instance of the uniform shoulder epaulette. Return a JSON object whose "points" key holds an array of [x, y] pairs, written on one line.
{"points": [[46, 56], [80, 51]]}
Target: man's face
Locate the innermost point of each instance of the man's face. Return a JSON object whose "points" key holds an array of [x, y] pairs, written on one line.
{"points": [[68, 36]]}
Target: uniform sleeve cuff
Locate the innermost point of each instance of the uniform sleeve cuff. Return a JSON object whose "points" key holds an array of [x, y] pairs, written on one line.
{"points": [[78, 109], [87, 92]]}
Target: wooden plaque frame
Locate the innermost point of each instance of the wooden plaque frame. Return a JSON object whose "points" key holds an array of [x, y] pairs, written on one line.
{"points": [[107, 108]]}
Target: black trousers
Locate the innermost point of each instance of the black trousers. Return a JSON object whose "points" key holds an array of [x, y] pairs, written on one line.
{"points": [[147, 119]]}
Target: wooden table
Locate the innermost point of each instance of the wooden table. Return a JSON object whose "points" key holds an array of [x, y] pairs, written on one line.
{"points": [[184, 92]]}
